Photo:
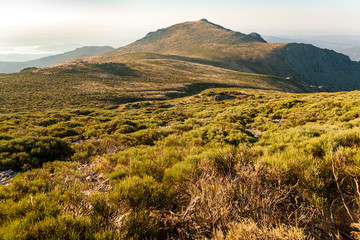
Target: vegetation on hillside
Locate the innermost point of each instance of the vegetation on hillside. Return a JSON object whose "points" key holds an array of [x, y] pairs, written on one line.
{"points": [[133, 77], [304, 63], [223, 164]]}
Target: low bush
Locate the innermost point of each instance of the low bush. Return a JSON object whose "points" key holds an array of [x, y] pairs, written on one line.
{"points": [[139, 192], [141, 225], [215, 134], [348, 116], [32, 151], [272, 165]]}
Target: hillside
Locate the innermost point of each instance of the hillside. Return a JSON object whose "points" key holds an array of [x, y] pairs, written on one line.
{"points": [[186, 37], [177, 61], [128, 78], [222, 164], [9, 67], [180, 136], [304, 63], [346, 44]]}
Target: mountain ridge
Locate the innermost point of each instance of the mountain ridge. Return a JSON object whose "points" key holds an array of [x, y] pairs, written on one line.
{"points": [[187, 36], [306, 64]]}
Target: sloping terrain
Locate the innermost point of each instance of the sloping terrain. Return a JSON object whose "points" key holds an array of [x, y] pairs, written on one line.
{"points": [[131, 77], [177, 61], [9, 67], [187, 37], [304, 63], [222, 164], [104, 151], [346, 44]]}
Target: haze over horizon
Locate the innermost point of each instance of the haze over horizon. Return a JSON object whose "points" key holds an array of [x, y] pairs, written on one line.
{"points": [[39, 26]]}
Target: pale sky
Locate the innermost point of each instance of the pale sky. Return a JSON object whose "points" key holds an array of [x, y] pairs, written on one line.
{"points": [[33, 23]]}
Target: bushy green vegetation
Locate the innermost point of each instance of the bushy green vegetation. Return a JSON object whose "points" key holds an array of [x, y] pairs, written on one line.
{"points": [[31, 151], [262, 165]]}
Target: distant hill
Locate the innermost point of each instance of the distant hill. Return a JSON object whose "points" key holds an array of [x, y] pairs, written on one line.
{"points": [[188, 37], [323, 69], [9, 67], [345, 44], [130, 77]]}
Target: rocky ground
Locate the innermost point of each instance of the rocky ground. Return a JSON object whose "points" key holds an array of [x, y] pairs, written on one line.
{"points": [[5, 176]]}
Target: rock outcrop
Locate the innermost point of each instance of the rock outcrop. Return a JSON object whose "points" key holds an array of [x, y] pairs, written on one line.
{"points": [[6, 175]]}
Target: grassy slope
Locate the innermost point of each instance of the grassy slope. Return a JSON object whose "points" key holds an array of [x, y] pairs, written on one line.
{"points": [[262, 165], [125, 78], [304, 63], [191, 166], [206, 40]]}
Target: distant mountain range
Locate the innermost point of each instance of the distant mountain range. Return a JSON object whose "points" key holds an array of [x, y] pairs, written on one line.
{"points": [[9, 67]]}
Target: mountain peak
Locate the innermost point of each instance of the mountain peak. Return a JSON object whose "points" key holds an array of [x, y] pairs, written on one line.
{"points": [[204, 20], [190, 37]]}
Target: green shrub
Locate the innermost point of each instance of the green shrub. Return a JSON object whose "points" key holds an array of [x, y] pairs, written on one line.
{"points": [[183, 127], [141, 225], [316, 147], [216, 134], [64, 129], [33, 151], [204, 114], [181, 170], [348, 116], [148, 136], [93, 147], [47, 122], [109, 234], [139, 192], [289, 104], [61, 227], [237, 114], [117, 174], [348, 138], [102, 211]]}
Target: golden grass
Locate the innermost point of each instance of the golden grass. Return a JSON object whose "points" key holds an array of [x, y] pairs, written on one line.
{"points": [[139, 77]]}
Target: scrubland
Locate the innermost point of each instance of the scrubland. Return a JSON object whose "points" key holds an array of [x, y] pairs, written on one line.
{"points": [[222, 164]]}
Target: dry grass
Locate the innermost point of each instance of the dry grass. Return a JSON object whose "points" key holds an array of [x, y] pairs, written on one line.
{"points": [[153, 77], [241, 205], [247, 229]]}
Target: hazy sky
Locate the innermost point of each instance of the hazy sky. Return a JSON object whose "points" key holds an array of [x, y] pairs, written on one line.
{"points": [[118, 22]]}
